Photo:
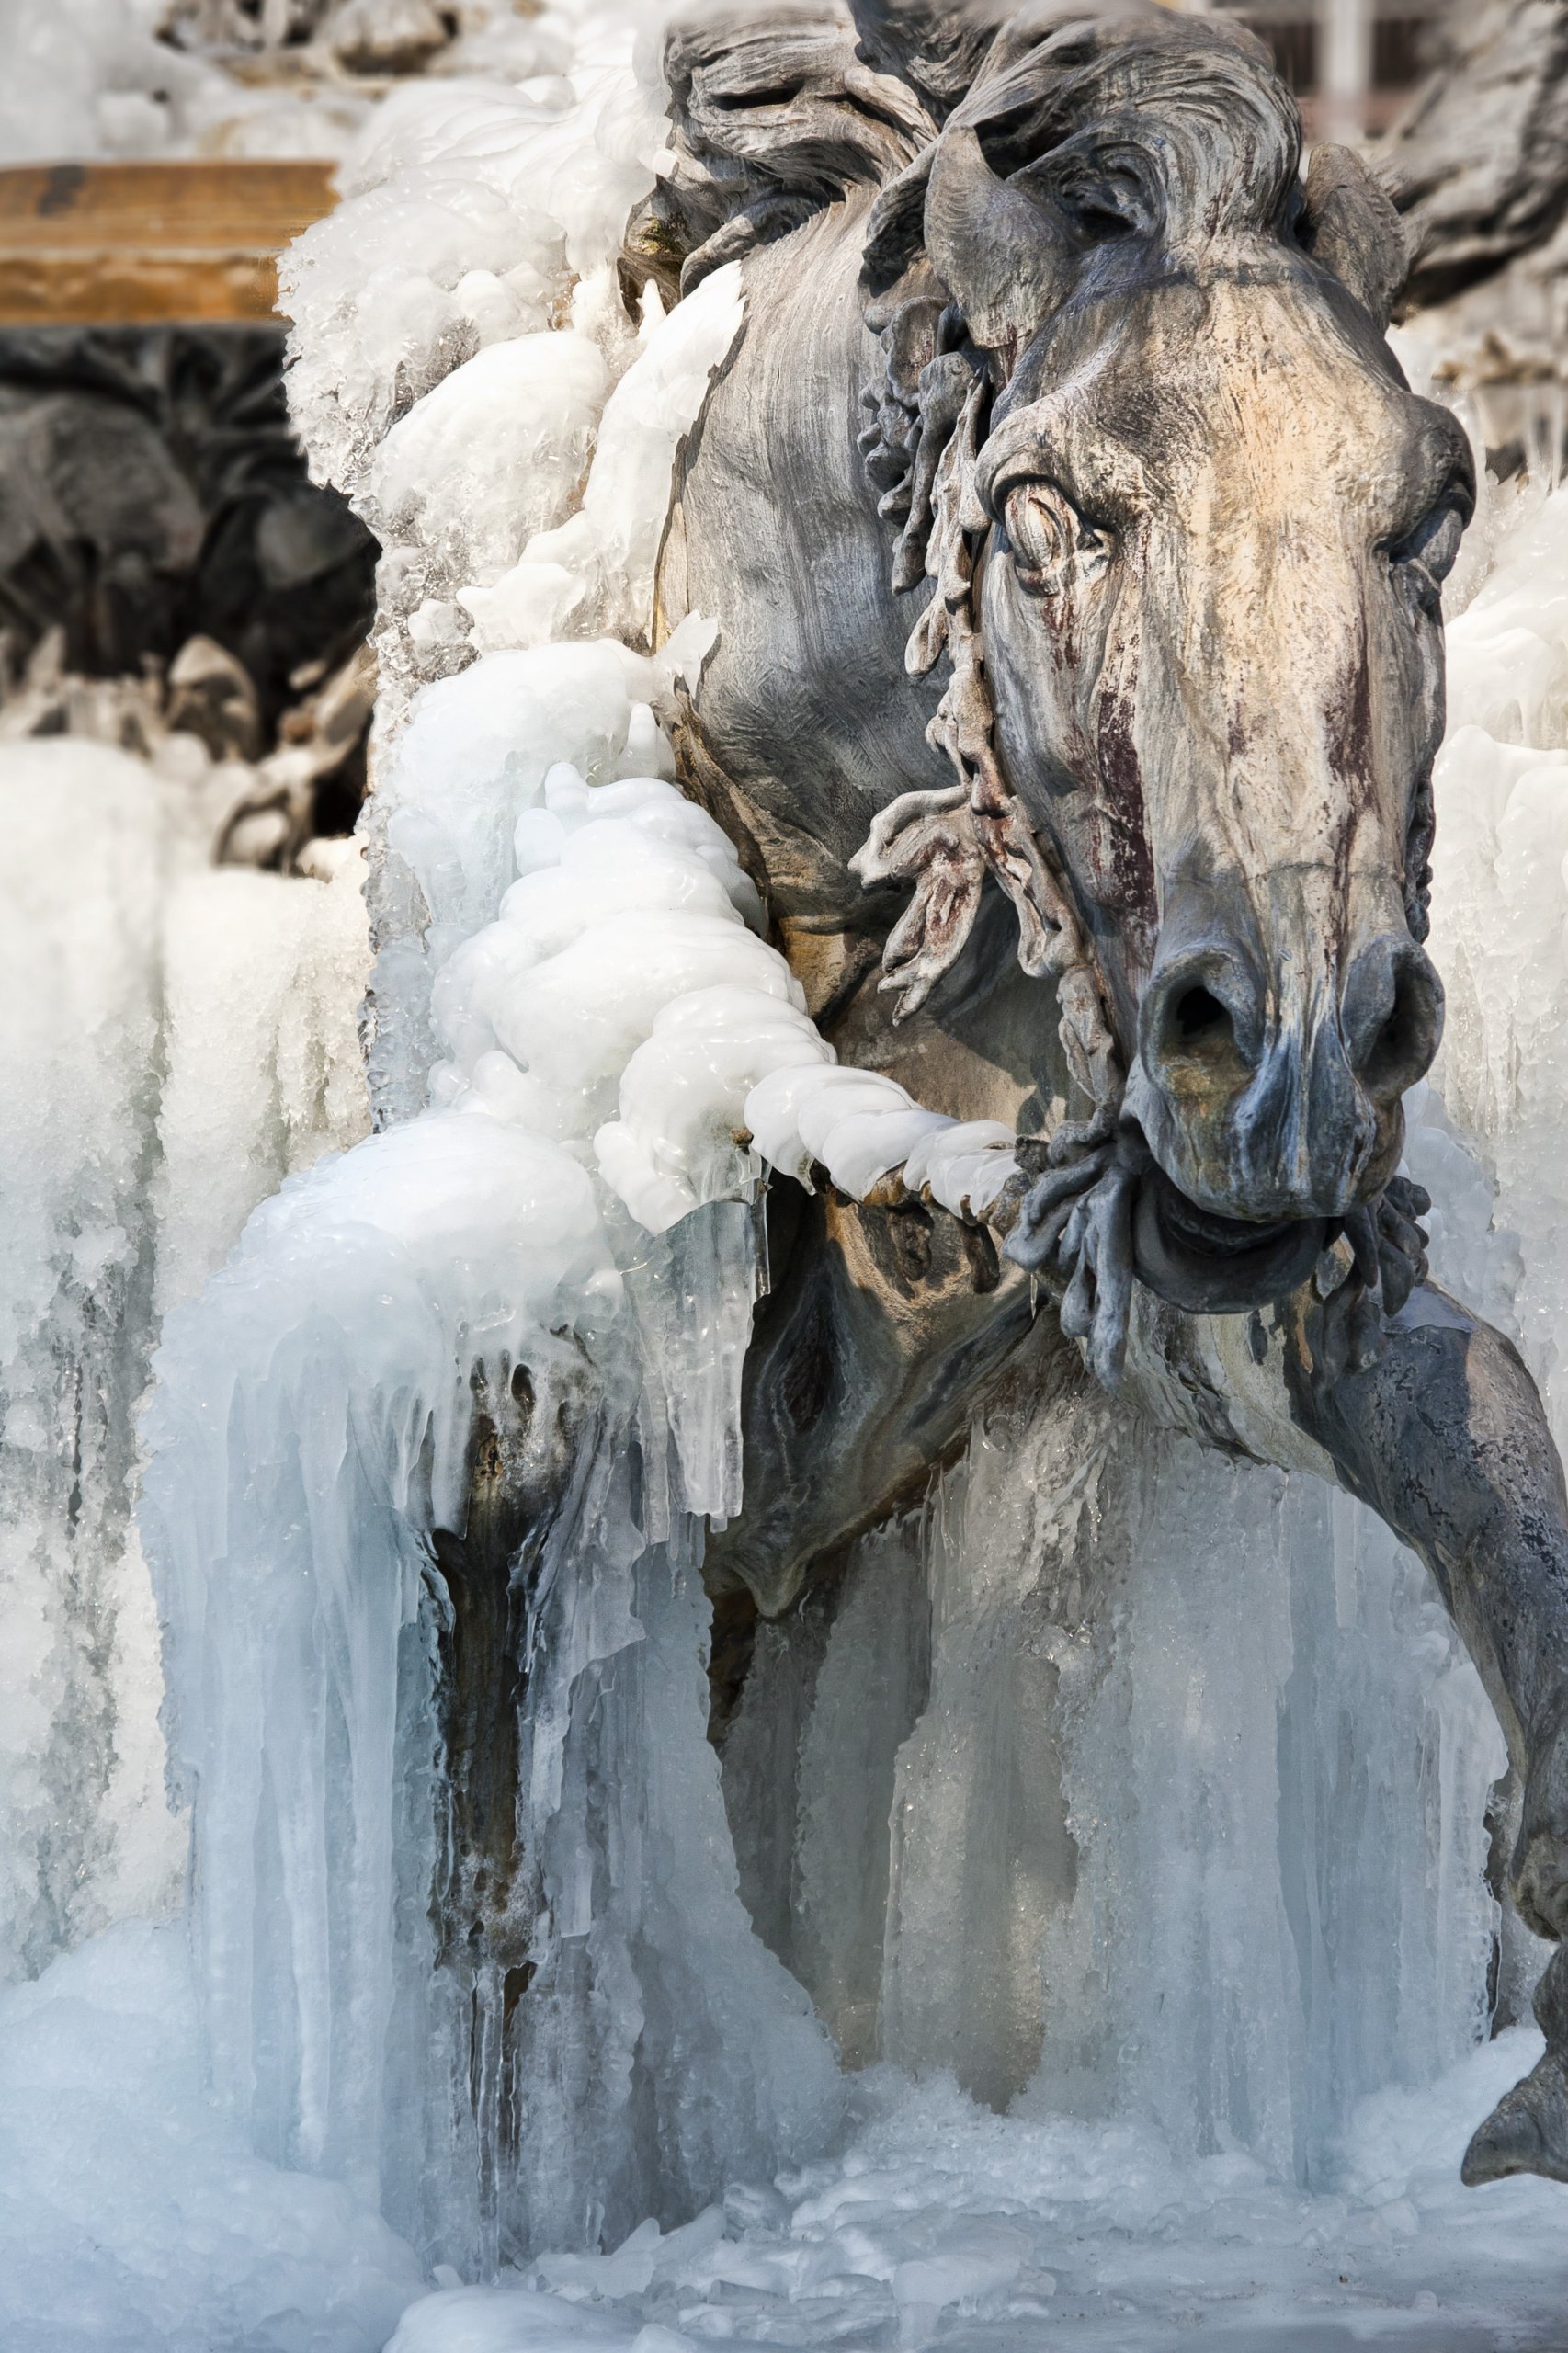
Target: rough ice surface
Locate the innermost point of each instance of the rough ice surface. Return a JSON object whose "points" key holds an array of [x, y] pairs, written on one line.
{"points": [[133, 2217], [944, 2223], [78, 1030], [1137, 1795], [455, 472]]}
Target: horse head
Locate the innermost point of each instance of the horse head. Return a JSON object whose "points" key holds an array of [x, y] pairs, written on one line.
{"points": [[1188, 527], [1171, 528]]}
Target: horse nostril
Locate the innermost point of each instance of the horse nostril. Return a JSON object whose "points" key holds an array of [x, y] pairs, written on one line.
{"points": [[1402, 1047], [1198, 1023]]}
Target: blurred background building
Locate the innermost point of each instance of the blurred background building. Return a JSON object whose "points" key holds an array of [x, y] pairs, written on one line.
{"points": [[1353, 63]]}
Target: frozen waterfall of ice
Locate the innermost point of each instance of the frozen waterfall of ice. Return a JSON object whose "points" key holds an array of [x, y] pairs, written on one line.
{"points": [[175, 1041], [1141, 1796]]}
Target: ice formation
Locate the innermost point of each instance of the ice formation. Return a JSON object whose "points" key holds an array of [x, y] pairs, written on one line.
{"points": [[1138, 1791], [543, 898], [132, 2216], [175, 1041]]}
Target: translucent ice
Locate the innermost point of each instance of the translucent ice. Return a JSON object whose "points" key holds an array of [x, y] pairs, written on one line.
{"points": [[312, 1440]]}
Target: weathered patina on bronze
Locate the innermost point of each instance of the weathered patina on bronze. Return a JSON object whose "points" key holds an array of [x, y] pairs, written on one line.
{"points": [[1077, 548]]}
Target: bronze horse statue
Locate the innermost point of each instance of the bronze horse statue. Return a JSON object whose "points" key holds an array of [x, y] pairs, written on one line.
{"points": [[1078, 549]]}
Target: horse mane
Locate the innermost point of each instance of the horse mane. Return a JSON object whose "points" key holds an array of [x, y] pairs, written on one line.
{"points": [[773, 118], [776, 115], [1177, 125]]}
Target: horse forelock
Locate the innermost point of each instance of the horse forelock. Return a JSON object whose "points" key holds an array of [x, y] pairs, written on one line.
{"points": [[1191, 105], [1218, 131]]}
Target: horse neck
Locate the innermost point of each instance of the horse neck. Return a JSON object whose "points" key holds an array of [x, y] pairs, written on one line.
{"points": [[804, 706]]}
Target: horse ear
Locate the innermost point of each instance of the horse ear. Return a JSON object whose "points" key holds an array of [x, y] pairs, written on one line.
{"points": [[995, 249], [1349, 225]]}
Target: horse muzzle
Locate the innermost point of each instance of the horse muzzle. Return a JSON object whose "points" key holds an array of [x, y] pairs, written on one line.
{"points": [[1266, 1106]]}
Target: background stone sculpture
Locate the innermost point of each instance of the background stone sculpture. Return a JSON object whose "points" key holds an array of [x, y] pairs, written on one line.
{"points": [[1476, 163], [156, 503]]}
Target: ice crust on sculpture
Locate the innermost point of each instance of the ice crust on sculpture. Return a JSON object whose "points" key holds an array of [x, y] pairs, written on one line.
{"points": [[347, 1339], [540, 896], [595, 570], [439, 475], [483, 205], [543, 896]]}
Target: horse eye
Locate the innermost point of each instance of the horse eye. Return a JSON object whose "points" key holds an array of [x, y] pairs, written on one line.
{"points": [[1046, 533]]}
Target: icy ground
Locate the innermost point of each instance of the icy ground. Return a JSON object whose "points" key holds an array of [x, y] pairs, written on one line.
{"points": [[134, 2220]]}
